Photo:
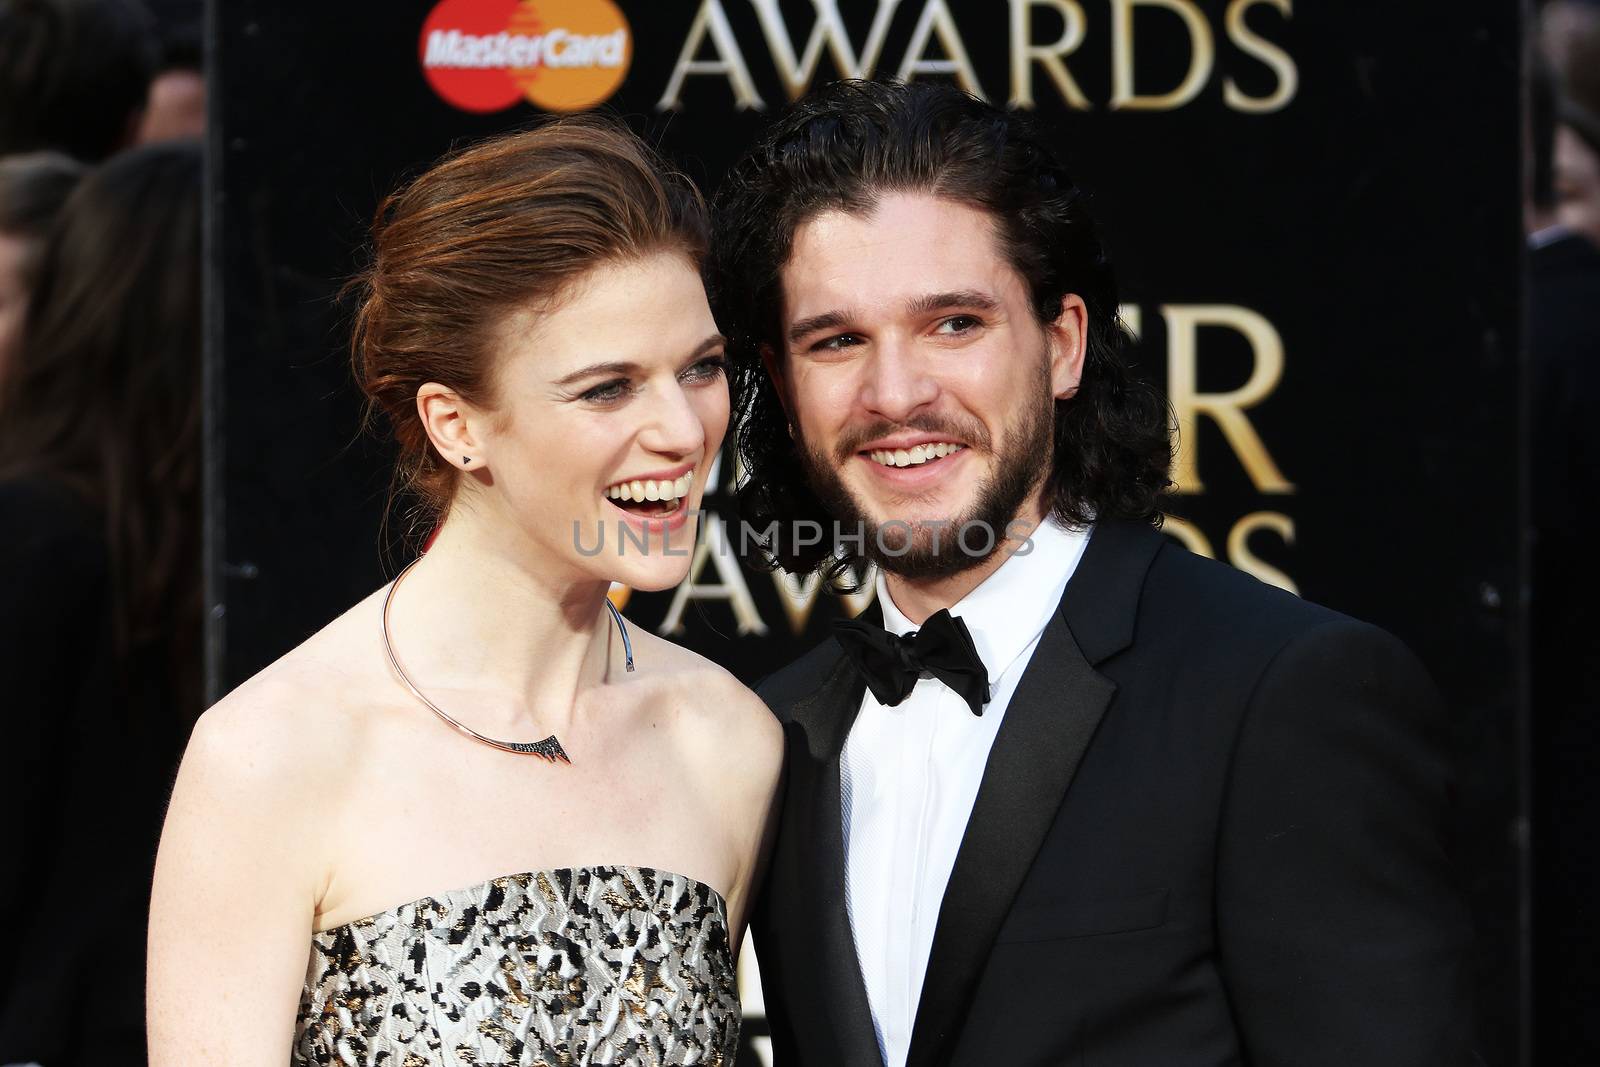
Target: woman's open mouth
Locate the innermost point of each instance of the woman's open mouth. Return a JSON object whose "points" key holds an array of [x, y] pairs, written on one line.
{"points": [[652, 498]]}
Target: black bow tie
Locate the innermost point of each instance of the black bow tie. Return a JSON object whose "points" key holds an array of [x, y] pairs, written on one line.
{"points": [[891, 664]]}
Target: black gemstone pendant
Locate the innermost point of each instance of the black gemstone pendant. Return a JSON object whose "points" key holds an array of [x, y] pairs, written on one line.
{"points": [[549, 749]]}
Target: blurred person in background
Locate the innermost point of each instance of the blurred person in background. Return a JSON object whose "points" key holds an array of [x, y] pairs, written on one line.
{"points": [[1564, 647], [176, 107], [32, 189], [1575, 168], [99, 600], [1568, 43], [74, 75]]}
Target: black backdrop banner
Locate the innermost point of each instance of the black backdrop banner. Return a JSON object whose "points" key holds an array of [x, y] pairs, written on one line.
{"points": [[1314, 209]]}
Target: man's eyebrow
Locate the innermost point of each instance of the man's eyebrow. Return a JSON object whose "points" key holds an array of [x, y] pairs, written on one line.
{"points": [[922, 305], [624, 369], [966, 298], [828, 320]]}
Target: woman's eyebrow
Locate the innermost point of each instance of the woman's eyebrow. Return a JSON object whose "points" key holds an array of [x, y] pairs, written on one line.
{"points": [[626, 368], [618, 368]]}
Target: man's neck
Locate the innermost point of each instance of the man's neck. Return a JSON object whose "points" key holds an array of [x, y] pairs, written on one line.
{"points": [[917, 598]]}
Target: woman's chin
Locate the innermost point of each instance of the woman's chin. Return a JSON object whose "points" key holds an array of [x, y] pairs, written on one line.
{"points": [[650, 575]]}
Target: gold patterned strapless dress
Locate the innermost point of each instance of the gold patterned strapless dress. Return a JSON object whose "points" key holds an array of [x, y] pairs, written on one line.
{"points": [[587, 965]]}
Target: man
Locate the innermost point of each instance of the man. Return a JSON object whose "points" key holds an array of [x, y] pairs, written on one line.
{"points": [[175, 107], [1112, 803]]}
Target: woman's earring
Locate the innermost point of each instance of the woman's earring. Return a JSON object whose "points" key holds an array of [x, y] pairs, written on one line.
{"points": [[465, 460]]}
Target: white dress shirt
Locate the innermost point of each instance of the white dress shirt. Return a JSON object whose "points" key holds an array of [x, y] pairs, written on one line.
{"points": [[909, 776]]}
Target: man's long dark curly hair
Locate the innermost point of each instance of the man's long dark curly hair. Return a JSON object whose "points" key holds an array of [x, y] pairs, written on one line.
{"points": [[839, 149]]}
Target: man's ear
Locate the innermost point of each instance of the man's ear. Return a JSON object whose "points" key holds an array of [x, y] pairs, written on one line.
{"points": [[1069, 345], [451, 425]]}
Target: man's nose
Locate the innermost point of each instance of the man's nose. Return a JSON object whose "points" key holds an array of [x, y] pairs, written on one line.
{"points": [[898, 382]]}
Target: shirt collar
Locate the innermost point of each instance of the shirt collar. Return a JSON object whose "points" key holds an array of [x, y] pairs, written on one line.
{"points": [[1010, 607]]}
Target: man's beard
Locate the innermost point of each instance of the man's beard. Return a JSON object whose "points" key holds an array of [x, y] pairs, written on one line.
{"points": [[1020, 465]]}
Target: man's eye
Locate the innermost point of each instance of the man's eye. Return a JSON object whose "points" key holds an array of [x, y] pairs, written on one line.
{"points": [[959, 324], [834, 344], [606, 391]]}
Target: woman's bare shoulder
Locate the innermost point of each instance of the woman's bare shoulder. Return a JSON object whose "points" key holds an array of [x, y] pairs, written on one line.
{"points": [[306, 710], [719, 717]]}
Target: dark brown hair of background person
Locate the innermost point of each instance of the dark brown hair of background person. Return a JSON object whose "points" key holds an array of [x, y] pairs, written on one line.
{"points": [[839, 148], [103, 393], [99, 598], [33, 188], [499, 224], [73, 75]]}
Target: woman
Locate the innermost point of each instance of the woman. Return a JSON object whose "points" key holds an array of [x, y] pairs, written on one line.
{"points": [[497, 820], [99, 599]]}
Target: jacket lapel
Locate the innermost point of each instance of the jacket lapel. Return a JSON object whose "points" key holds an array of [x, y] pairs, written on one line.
{"points": [[825, 717], [1052, 716]]}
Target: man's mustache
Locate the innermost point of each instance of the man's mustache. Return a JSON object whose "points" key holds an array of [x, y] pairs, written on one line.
{"points": [[972, 434]]}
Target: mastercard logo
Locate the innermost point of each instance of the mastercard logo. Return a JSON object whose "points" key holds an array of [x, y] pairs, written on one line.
{"points": [[559, 55]]}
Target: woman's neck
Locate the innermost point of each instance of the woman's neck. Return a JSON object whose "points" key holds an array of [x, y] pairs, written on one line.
{"points": [[476, 620]]}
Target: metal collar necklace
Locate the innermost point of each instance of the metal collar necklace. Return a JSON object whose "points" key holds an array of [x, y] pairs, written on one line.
{"points": [[548, 749]]}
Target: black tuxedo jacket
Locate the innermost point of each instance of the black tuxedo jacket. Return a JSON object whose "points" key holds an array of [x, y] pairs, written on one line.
{"points": [[1210, 832]]}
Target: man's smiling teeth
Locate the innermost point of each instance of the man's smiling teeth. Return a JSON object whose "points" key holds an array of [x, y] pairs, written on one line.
{"points": [[652, 490], [910, 457]]}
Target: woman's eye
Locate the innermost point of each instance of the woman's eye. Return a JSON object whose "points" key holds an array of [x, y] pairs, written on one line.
{"points": [[606, 391], [707, 369]]}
